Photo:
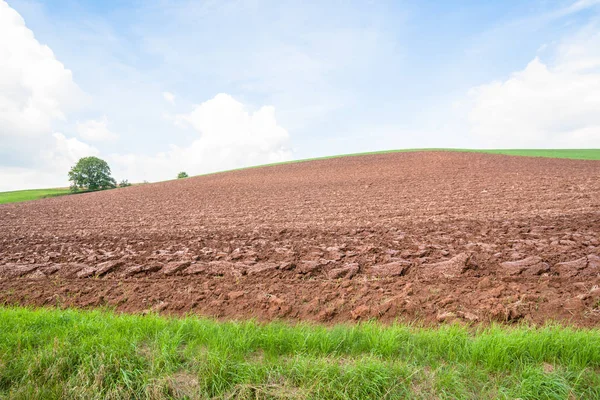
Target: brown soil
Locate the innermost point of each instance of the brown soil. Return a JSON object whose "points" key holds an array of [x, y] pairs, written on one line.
{"points": [[428, 236]]}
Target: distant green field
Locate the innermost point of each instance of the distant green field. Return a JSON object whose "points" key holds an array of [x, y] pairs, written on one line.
{"points": [[53, 353], [579, 154], [25, 195]]}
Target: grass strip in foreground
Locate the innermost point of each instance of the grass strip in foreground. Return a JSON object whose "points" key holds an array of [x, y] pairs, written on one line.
{"points": [[52, 353]]}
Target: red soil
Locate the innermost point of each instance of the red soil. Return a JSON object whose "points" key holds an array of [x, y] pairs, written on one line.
{"points": [[429, 236]]}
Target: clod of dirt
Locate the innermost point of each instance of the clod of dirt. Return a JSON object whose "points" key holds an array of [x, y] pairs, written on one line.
{"points": [[196, 269], [261, 268], [236, 294], [140, 269], [594, 294], [445, 316], [447, 269], [86, 272], [360, 312], [70, 270], [396, 268], [160, 306], [484, 283], [334, 253], [174, 267], [588, 266], [326, 315], [593, 262], [307, 267], [574, 305], [50, 269], [515, 312], [287, 266], [347, 271], [469, 316], [569, 269], [222, 268], [527, 266], [36, 275], [10, 271], [107, 266]]}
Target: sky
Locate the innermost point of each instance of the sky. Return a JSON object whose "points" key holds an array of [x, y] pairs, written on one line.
{"points": [[155, 87]]}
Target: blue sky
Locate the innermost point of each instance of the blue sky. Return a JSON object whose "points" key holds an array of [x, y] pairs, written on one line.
{"points": [[159, 86]]}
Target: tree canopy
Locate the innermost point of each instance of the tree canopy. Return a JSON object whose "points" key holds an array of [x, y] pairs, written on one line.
{"points": [[91, 173]]}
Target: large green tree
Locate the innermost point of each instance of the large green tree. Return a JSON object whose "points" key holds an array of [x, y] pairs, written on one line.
{"points": [[91, 173]]}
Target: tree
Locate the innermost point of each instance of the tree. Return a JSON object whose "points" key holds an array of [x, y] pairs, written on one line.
{"points": [[182, 175], [91, 173], [124, 183]]}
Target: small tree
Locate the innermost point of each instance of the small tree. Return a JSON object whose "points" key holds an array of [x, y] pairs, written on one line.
{"points": [[182, 175], [124, 183], [91, 173]]}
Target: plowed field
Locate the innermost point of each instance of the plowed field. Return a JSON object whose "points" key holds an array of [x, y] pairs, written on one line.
{"points": [[428, 236]]}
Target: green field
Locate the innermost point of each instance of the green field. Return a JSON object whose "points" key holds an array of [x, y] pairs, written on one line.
{"points": [[52, 353], [577, 154], [25, 195]]}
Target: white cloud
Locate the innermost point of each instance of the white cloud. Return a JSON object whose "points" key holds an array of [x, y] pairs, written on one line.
{"points": [[56, 161], [578, 6], [544, 105], [36, 92], [170, 97], [35, 88], [66, 152], [96, 130], [230, 137], [62, 155]]}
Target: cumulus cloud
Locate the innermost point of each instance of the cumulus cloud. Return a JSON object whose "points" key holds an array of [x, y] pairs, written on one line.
{"points": [[35, 88], [546, 104], [36, 91], [230, 136], [96, 130], [170, 97], [54, 163], [66, 151]]}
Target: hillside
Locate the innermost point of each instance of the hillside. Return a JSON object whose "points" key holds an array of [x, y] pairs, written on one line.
{"points": [[433, 236]]}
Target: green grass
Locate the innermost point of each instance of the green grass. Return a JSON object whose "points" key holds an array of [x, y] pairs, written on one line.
{"points": [[576, 154], [579, 154], [25, 195], [51, 353]]}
